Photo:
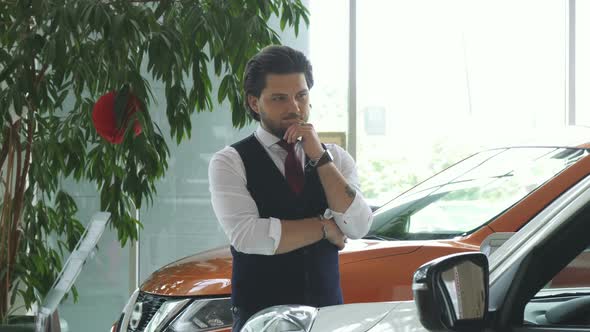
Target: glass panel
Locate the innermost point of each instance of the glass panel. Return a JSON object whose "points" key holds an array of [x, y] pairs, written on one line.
{"points": [[181, 221], [583, 63], [576, 274], [487, 184], [103, 284], [445, 76], [329, 57], [565, 300]]}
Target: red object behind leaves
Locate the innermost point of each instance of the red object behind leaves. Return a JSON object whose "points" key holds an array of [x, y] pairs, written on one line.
{"points": [[103, 117]]}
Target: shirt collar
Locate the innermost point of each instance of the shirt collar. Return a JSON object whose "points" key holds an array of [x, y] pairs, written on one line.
{"points": [[265, 137]]}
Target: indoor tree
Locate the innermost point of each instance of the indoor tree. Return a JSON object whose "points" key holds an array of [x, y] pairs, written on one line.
{"points": [[57, 58]]}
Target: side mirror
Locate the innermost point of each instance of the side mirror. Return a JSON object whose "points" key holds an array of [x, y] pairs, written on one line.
{"points": [[451, 292]]}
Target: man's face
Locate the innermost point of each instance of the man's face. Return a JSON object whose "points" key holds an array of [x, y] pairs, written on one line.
{"points": [[283, 102]]}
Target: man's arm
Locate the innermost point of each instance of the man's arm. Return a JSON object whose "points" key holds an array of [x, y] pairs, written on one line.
{"points": [[300, 233], [347, 206], [238, 215], [338, 192], [356, 220], [340, 182]]}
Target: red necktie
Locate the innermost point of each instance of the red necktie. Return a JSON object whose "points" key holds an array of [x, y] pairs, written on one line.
{"points": [[293, 170]]}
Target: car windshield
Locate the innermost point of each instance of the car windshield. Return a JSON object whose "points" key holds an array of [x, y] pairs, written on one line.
{"points": [[471, 193]]}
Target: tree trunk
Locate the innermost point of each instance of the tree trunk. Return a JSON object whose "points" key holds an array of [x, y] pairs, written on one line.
{"points": [[13, 177]]}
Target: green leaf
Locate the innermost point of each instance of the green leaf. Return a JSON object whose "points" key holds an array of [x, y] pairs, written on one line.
{"points": [[118, 24], [163, 6], [223, 88], [284, 19], [14, 294], [296, 25]]}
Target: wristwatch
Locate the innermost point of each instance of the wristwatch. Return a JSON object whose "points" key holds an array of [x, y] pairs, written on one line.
{"points": [[325, 158]]}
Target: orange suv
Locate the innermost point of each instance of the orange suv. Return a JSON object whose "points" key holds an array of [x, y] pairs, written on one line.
{"points": [[496, 190]]}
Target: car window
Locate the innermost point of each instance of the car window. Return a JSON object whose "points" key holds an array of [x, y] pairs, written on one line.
{"points": [[575, 275], [471, 193], [565, 300]]}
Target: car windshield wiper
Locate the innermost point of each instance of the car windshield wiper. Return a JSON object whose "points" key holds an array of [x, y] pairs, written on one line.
{"points": [[378, 237]]}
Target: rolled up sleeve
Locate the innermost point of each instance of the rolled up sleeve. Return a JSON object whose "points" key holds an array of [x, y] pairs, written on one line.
{"points": [[356, 221]]}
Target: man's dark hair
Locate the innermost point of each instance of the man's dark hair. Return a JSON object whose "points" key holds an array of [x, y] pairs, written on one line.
{"points": [[273, 59]]}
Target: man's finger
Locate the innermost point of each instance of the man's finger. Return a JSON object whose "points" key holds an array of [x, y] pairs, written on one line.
{"points": [[289, 133]]}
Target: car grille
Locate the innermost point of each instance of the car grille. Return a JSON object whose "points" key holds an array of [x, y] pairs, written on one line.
{"points": [[149, 306]]}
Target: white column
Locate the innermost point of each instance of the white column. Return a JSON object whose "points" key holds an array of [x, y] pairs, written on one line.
{"points": [[134, 260], [570, 49], [352, 79]]}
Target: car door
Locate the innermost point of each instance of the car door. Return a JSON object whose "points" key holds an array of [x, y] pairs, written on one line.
{"points": [[547, 287]]}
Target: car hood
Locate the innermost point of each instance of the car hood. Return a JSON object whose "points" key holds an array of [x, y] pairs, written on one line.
{"points": [[209, 273], [369, 317]]}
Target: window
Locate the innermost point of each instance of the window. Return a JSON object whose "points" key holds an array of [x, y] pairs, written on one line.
{"points": [[329, 56], [471, 193], [575, 275], [451, 77], [564, 301], [582, 63]]}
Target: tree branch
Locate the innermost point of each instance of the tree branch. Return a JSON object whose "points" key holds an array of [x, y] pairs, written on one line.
{"points": [[4, 151], [20, 191], [29, 147], [17, 197], [41, 75], [17, 184], [5, 221]]}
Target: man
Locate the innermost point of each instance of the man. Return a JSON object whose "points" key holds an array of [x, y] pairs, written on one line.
{"points": [[286, 201]]}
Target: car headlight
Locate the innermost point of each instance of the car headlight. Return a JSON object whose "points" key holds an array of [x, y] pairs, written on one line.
{"points": [[282, 318], [152, 313], [203, 315], [125, 315]]}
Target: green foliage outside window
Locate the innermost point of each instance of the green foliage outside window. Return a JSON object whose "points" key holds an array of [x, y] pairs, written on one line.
{"points": [[383, 179]]}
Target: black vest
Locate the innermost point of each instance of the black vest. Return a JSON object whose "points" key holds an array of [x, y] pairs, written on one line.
{"points": [[308, 275]]}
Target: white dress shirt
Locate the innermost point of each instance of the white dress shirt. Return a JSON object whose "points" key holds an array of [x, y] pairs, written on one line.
{"points": [[237, 212]]}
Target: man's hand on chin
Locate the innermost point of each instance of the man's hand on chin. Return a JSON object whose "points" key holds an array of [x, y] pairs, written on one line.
{"points": [[309, 138]]}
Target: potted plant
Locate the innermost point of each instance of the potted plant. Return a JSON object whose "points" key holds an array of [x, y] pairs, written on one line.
{"points": [[75, 102]]}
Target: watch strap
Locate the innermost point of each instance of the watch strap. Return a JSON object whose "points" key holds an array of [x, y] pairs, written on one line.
{"points": [[324, 159]]}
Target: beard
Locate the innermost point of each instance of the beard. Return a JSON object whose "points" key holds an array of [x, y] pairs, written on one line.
{"points": [[273, 128], [276, 127]]}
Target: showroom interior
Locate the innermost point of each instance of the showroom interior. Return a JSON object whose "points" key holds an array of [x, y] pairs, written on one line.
{"points": [[406, 87]]}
